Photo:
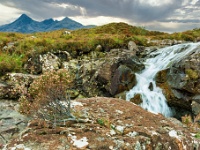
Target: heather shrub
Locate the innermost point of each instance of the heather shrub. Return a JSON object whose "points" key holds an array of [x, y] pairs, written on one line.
{"points": [[47, 98]]}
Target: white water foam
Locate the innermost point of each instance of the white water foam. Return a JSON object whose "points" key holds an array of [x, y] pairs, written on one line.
{"points": [[153, 98]]}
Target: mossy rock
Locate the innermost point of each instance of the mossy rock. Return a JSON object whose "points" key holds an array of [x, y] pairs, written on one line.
{"points": [[192, 74], [166, 91], [161, 76]]}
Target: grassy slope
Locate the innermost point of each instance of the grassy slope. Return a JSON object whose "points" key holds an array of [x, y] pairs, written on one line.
{"points": [[114, 35]]}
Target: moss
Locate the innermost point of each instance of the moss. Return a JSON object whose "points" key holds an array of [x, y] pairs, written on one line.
{"points": [[104, 122], [192, 74]]}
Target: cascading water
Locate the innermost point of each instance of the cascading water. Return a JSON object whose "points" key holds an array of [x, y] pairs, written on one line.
{"points": [[153, 99]]}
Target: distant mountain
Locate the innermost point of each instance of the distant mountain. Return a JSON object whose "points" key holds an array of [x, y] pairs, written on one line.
{"points": [[25, 24]]}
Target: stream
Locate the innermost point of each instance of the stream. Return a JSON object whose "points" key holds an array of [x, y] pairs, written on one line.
{"points": [[152, 97]]}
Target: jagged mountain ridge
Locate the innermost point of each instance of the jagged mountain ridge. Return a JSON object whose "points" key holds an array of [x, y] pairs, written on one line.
{"points": [[25, 24]]}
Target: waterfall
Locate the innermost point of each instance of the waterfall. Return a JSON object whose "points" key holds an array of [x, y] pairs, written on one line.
{"points": [[153, 99]]}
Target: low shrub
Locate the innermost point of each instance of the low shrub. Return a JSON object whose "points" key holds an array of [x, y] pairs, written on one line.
{"points": [[47, 98]]}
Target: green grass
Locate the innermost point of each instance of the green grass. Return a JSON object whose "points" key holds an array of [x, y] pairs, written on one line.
{"points": [[10, 63], [197, 136]]}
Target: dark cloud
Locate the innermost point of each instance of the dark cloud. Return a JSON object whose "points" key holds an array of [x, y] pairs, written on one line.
{"points": [[139, 10], [129, 9]]}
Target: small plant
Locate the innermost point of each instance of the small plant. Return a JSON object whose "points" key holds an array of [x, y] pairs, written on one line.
{"points": [[104, 122], [187, 119], [197, 136], [100, 122], [47, 98]]}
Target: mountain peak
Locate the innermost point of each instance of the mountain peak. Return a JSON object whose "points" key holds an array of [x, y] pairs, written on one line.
{"points": [[48, 21], [24, 18]]}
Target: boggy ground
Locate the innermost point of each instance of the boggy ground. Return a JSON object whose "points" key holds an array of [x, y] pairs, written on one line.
{"points": [[106, 124]]}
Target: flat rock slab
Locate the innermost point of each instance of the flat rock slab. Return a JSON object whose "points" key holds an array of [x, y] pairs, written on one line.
{"points": [[108, 123]]}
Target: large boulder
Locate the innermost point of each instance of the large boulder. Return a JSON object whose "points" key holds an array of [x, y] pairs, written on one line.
{"points": [[117, 72], [46, 62], [132, 46], [181, 82], [85, 73], [107, 123]]}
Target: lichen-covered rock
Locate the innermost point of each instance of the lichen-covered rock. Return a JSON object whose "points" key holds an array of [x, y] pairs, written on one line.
{"points": [[15, 85], [132, 46], [108, 123], [50, 62]]}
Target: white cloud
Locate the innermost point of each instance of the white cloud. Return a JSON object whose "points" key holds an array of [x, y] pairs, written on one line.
{"points": [[193, 2], [99, 20], [8, 14]]}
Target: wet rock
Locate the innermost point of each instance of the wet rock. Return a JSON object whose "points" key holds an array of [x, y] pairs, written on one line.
{"points": [[165, 42], [136, 99], [122, 80], [161, 76], [181, 82], [117, 73]]}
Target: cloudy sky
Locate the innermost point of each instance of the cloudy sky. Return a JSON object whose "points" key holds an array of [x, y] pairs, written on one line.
{"points": [[160, 15]]}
